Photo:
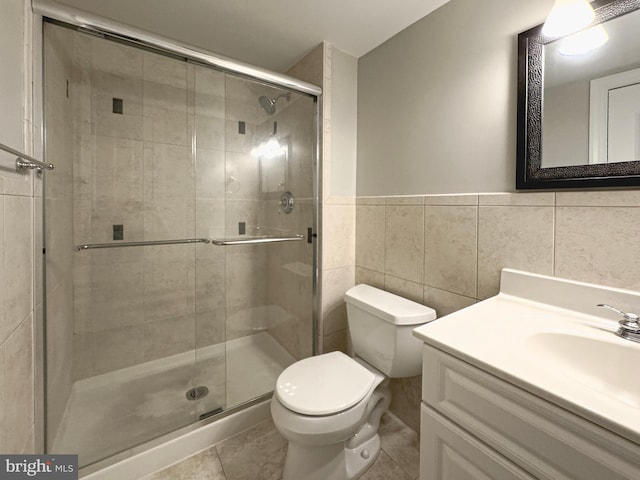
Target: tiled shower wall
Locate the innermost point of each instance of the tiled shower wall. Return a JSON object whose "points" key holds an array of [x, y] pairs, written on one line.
{"points": [[325, 66], [135, 169], [20, 300], [447, 251]]}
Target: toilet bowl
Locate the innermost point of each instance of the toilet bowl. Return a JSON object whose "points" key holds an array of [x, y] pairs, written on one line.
{"points": [[317, 437], [329, 406]]}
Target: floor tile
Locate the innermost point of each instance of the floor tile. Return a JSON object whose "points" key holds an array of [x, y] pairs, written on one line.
{"points": [[259, 453], [401, 444], [201, 466], [256, 454], [385, 469]]}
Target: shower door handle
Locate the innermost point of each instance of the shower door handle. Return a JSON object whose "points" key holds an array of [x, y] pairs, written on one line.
{"points": [[118, 244], [254, 240]]}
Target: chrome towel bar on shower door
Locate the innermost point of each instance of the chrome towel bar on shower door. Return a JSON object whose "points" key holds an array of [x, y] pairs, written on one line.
{"points": [[253, 240], [25, 161], [217, 241], [118, 244]]}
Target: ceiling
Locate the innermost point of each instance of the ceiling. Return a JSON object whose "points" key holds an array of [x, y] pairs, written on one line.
{"points": [[272, 34]]}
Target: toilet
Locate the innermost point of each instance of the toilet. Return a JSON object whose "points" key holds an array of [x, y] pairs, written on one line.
{"points": [[329, 406]]}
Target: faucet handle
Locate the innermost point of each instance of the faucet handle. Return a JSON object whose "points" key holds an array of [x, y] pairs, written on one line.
{"points": [[630, 321]]}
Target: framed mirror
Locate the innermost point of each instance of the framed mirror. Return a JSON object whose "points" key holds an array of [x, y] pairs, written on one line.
{"points": [[579, 113]]}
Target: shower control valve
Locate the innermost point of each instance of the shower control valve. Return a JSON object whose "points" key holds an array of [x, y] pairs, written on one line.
{"points": [[286, 202]]}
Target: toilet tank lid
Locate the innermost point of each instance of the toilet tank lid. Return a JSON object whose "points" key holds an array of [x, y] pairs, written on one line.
{"points": [[392, 308]]}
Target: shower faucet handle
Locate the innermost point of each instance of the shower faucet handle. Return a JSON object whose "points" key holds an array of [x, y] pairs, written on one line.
{"points": [[287, 202]]}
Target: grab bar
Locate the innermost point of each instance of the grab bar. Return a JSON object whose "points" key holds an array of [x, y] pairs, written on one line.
{"points": [[91, 246], [253, 240], [25, 161]]}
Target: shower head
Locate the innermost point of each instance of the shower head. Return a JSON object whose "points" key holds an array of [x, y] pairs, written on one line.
{"points": [[269, 104]]}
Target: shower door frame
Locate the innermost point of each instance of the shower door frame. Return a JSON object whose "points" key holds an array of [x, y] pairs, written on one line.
{"points": [[86, 22]]}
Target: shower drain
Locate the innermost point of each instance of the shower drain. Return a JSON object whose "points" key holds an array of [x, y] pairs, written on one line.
{"points": [[196, 393]]}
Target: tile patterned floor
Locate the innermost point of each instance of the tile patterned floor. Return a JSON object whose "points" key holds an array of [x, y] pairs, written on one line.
{"points": [[258, 454]]}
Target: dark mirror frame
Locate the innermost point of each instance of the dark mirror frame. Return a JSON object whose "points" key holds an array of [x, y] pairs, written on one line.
{"points": [[529, 172]]}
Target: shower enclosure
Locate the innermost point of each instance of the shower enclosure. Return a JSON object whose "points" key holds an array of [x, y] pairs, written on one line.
{"points": [[179, 224]]}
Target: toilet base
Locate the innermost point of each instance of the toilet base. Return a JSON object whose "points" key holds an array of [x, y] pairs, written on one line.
{"points": [[346, 460], [331, 462], [361, 458]]}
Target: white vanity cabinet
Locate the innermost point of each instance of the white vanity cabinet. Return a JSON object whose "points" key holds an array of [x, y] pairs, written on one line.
{"points": [[476, 426], [447, 452]]}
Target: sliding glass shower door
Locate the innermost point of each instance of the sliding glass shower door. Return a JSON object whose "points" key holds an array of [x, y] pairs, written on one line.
{"points": [[268, 210], [177, 270]]}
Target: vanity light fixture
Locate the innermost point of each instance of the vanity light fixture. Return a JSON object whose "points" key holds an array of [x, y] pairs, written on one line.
{"points": [[268, 148], [567, 17], [584, 41]]}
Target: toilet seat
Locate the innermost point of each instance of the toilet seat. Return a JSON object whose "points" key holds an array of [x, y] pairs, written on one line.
{"points": [[324, 384]]}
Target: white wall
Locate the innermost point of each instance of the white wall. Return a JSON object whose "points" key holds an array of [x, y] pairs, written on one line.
{"points": [[565, 126], [437, 102]]}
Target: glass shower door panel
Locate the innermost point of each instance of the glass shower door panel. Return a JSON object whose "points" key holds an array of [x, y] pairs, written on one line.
{"points": [[210, 301], [143, 340], [268, 286], [120, 320]]}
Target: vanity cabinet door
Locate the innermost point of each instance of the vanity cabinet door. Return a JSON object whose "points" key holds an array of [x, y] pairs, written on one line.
{"points": [[547, 441], [449, 453]]}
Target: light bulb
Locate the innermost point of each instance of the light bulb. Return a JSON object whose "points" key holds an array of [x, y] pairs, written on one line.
{"points": [[567, 17], [584, 42]]}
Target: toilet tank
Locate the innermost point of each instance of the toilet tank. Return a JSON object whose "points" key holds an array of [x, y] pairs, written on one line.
{"points": [[381, 327]]}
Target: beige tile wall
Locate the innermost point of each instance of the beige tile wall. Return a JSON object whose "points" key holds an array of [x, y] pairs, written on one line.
{"points": [[134, 169], [337, 241], [447, 251], [209, 107], [137, 169], [20, 215]]}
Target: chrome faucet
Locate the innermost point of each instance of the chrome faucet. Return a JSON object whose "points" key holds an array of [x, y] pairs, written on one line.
{"points": [[629, 324]]}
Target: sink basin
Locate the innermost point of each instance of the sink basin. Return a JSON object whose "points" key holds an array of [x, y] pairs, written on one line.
{"points": [[547, 336], [603, 364]]}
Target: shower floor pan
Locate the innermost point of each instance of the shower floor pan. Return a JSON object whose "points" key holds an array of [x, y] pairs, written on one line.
{"points": [[113, 412]]}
